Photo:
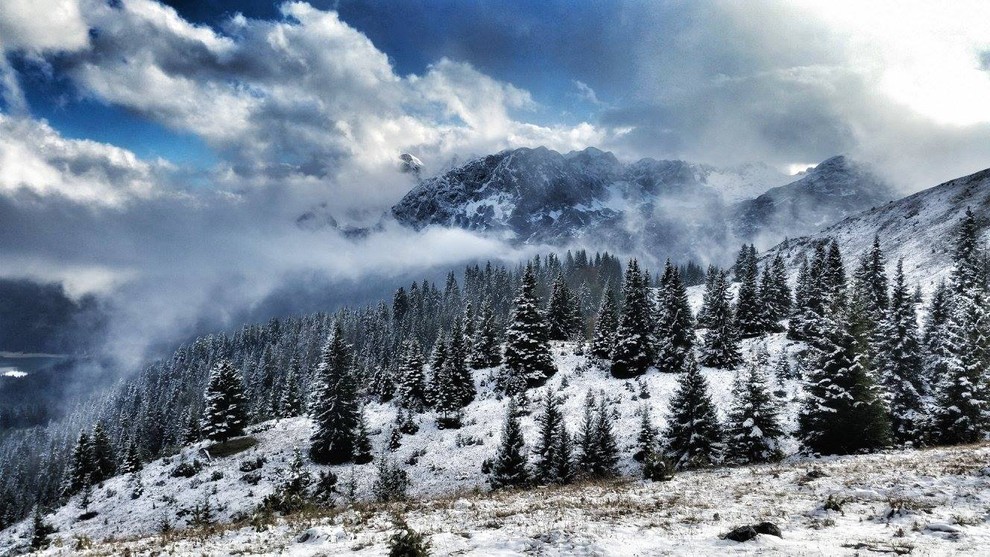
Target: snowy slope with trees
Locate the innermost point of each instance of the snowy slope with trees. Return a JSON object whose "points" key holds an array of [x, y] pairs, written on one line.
{"points": [[555, 372]]}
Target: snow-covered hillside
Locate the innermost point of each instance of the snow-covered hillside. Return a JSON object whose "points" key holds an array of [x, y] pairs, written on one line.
{"points": [[918, 228], [439, 462]]}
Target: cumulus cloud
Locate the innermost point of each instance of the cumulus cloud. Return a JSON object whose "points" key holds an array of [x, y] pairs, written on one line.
{"points": [[35, 159], [304, 99]]}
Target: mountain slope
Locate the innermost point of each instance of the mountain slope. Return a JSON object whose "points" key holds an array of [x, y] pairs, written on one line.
{"points": [[835, 189], [661, 208], [918, 228]]}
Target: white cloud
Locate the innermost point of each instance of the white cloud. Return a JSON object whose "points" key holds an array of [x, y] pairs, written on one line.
{"points": [[307, 100], [35, 158], [42, 25]]}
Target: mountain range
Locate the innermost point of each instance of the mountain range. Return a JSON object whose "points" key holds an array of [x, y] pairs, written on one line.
{"points": [[665, 208]]}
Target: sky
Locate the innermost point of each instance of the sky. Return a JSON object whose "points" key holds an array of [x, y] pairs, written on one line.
{"points": [[159, 152]]}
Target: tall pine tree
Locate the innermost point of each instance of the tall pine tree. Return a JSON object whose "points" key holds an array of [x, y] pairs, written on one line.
{"points": [[753, 429], [633, 342], [693, 436], [720, 345], [899, 362], [674, 324], [225, 415], [334, 402], [527, 353], [510, 468]]}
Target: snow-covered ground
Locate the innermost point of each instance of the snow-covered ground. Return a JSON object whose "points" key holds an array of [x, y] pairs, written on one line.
{"points": [[942, 497]]}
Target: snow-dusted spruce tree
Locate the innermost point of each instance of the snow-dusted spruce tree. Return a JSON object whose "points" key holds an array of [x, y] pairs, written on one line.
{"points": [[606, 446], [752, 431], [104, 454], [711, 276], [898, 350], [563, 316], [774, 295], [225, 413], [550, 423], [527, 353], [334, 403], [748, 314], [833, 280], [81, 465], [132, 459], [470, 324], [720, 346], [564, 471], [606, 324], [362, 441], [962, 397], [485, 350], [290, 404], [461, 381], [646, 439], [633, 351], [509, 468], [693, 436], [411, 382], [870, 282], [453, 385], [843, 410], [673, 322], [797, 326]]}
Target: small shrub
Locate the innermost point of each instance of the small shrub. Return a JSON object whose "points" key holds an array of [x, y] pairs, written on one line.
{"points": [[657, 468], [187, 469], [252, 464], [407, 542], [391, 483]]}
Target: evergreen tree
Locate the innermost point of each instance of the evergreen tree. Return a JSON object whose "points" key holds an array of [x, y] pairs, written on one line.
{"points": [[453, 385], [843, 410], [586, 440], [527, 352], [753, 429], [509, 468], [606, 445], [550, 426], [962, 397], [646, 440], [486, 351], [104, 455], [362, 441], [411, 387], [711, 276], [564, 457], [460, 379], [606, 324], [225, 415], [563, 317], [748, 314], [334, 408], [674, 330], [900, 363], [633, 351], [720, 345], [81, 465], [693, 436], [132, 459], [290, 403], [870, 280], [833, 279]]}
